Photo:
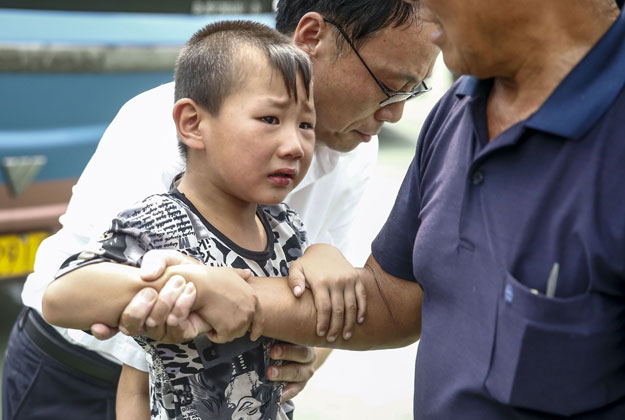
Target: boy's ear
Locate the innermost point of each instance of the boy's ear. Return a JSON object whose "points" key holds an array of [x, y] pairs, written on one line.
{"points": [[310, 32], [187, 117]]}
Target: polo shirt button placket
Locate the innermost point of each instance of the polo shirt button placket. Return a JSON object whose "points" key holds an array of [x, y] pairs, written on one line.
{"points": [[477, 178]]}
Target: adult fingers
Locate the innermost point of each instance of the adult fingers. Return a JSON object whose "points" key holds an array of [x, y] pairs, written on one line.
{"points": [[102, 331], [184, 330], [291, 390], [182, 305], [226, 333], [292, 353], [167, 297], [132, 320], [291, 372]]}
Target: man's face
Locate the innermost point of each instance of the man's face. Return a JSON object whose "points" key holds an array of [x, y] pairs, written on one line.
{"points": [[477, 36], [347, 98]]}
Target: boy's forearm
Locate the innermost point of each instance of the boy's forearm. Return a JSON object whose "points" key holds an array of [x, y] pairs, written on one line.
{"points": [[393, 315], [133, 395], [95, 293]]}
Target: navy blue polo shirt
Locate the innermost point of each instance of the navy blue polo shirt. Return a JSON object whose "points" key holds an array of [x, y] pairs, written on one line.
{"points": [[480, 225]]}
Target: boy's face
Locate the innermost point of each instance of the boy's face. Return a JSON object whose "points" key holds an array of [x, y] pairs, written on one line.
{"points": [[259, 146]]}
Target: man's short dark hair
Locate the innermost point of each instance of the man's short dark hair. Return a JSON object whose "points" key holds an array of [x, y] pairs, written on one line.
{"points": [[359, 18], [212, 64]]}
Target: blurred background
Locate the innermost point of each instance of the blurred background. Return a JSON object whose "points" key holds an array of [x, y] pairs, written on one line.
{"points": [[65, 70]]}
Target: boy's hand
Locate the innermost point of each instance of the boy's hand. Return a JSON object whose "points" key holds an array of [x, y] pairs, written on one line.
{"points": [[339, 295]]}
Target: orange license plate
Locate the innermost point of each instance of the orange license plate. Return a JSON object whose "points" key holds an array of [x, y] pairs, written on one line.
{"points": [[17, 253]]}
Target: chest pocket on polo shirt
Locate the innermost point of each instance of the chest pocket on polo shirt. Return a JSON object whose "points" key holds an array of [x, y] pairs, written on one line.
{"points": [[557, 355]]}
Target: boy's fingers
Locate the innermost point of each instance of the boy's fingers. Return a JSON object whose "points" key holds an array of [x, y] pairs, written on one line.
{"points": [[351, 312], [324, 308], [338, 315], [361, 298], [166, 301], [132, 320], [296, 279]]}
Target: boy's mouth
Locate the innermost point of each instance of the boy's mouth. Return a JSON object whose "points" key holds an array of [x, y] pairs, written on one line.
{"points": [[283, 177], [285, 173]]}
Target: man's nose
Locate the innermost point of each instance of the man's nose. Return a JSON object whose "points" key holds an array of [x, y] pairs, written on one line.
{"points": [[390, 113]]}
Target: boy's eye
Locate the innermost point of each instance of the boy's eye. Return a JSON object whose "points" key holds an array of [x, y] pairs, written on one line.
{"points": [[270, 120], [306, 126]]}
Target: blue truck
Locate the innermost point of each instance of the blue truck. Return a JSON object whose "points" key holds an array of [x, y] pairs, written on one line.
{"points": [[65, 70]]}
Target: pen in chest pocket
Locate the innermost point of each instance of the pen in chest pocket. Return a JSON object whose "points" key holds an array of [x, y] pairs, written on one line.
{"points": [[552, 281]]}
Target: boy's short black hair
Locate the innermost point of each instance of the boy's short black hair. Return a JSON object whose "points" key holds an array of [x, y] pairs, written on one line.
{"points": [[359, 18], [210, 65]]}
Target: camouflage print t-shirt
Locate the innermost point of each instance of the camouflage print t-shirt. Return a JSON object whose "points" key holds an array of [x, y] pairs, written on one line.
{"points": [[200, 379]]}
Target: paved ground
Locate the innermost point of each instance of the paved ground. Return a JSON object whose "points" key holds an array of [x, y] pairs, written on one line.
{"points": [[372, 385]]}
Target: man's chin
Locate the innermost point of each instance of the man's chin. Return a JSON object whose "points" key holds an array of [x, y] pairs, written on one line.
{"points": [[342, 142]]}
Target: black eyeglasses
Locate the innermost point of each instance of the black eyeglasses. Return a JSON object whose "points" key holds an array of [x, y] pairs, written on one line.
{"points": [[391, 97]]}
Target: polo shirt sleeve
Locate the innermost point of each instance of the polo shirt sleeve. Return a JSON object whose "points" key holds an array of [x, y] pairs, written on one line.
{"points": [[393, 246]]}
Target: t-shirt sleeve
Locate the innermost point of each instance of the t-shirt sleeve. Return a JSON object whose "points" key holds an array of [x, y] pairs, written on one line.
{"points": [[129, 237]]}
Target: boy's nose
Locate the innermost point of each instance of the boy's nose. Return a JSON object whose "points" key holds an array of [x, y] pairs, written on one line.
{"points": [[291, 146]]}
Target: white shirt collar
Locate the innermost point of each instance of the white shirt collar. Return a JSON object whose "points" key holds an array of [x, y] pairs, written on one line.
{"points": [[323, 162]]}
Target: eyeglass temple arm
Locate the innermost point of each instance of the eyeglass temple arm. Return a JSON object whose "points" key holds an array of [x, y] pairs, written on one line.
{"points": [[349, 41]]}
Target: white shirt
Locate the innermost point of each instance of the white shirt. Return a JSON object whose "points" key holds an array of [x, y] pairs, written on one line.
{"points": [[138, 156]]}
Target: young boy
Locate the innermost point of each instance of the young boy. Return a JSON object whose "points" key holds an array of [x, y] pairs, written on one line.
{"points": [[245, 119]]}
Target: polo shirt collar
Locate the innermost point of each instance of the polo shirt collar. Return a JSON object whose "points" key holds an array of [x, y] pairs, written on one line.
{"points": [[584, 95]]}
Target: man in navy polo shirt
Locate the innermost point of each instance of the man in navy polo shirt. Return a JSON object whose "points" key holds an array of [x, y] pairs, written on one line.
{"points": [[512, 215]]}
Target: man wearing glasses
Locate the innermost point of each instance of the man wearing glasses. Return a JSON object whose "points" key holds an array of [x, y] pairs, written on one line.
{"points": [[369, 57]]}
